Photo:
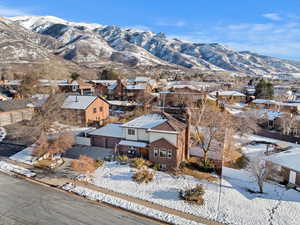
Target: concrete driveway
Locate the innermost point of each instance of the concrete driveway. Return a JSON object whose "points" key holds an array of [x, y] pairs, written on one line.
{"points": [[91, 151]]}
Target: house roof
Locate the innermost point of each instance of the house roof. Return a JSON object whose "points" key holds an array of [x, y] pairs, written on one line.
{"points": [[136, 86], [147, 121], [133, 143], [152, 120], [110, 130], [15, 104], [78, 102], [228, 93], [289, 159], [139, 79]]}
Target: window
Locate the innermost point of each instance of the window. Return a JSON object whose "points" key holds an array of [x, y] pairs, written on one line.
{"points": [[155, 150], [163, 153], [131, 132], [169, 154], [162, 166], [95, 110], [101, 109]]}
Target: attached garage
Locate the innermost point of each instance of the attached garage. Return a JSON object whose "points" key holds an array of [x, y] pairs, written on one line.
{"points": [[107, 136]]}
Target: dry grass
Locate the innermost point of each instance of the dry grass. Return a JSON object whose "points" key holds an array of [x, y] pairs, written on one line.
{"points": [[122, 158], [193, 195], [143, 176], [199, 175], [139, 163], [84, 164]]}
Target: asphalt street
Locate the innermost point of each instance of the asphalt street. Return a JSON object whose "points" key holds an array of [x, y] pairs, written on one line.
{"points": [[27, 203]]}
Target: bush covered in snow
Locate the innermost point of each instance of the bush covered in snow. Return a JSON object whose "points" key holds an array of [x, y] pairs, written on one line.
{"points": [[193, 195], [143, 176]]}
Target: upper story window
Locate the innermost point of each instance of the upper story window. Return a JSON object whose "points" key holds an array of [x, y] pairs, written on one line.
{"points": [[165, 154], [101, 109], [131, 131], [95, 110], [162, 153], [155, 152]]}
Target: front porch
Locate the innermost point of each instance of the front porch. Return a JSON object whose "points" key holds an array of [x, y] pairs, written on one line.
{"points": [[133, 149]]}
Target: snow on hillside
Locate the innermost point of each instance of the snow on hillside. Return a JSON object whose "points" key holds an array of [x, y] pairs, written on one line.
{"points": [[137, 47]]}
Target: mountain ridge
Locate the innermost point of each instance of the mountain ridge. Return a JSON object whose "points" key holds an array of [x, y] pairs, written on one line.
{"points": [[96, 45]]}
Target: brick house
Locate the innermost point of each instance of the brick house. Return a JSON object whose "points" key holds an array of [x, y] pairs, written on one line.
{"points": [[287, 164], [116, 91], [229, 96], [77, 86], [85, 110], [101, 86], [156, 136]]}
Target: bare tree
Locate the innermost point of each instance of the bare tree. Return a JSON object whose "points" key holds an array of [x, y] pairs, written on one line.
{"points": [[210, 127], [260, 171], [50, 146]]}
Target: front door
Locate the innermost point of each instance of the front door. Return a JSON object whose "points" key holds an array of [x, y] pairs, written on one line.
{"points": [[292, 178]]}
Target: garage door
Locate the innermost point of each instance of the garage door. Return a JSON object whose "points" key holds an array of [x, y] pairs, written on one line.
{"points": [[292, 178], [98, 141]]}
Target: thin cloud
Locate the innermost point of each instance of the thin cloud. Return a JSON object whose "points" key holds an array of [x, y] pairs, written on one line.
{"points": [[178, 23], [272, 16], [10, 12]]}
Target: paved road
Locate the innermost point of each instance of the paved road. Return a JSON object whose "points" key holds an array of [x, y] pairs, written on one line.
{"points": [[26, 203]]}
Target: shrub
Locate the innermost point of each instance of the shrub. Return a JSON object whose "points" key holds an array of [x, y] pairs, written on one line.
{"points": [[122, 158], [99, 163], [156, 166], [193, 195], [84, 164], [138, 163], [143, 176]]}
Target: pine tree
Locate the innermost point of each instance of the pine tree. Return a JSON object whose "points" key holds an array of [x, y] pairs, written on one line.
{"points": [[264, 90]]}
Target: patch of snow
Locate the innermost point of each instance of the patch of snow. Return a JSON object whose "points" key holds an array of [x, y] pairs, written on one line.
{"points": [[124, 204], [238, 206], [2, 133], [11, 168]]}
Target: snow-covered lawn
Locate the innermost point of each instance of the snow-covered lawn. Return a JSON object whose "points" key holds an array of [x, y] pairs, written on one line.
{"points": [[24, 156], [11, 168], [124, 204], [2, 133], [237, 206]]}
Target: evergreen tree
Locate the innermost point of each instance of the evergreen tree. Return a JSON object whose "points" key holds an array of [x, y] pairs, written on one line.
{"points": [[264, 90], [74, 76], [108, 74]]}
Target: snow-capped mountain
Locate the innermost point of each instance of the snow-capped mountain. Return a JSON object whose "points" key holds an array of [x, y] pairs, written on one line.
{"points": [[95, 45], [24, 51]]}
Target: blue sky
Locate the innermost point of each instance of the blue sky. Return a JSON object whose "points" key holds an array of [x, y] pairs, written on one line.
{"points": [[270, 27]]}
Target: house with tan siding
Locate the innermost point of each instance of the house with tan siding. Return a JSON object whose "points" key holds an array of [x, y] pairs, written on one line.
{"points": [[85, 110]]}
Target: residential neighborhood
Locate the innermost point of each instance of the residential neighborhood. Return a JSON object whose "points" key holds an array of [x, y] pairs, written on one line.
{"points": [[128, 113]]}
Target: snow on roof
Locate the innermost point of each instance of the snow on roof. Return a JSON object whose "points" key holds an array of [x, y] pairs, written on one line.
{"points": [[110, 130], [139, 79], [263, 101], [228, 93], [133, 143], [113, 86], [122, 103], [136, 86], [289, 159], [147, 121], [78, 102]]}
